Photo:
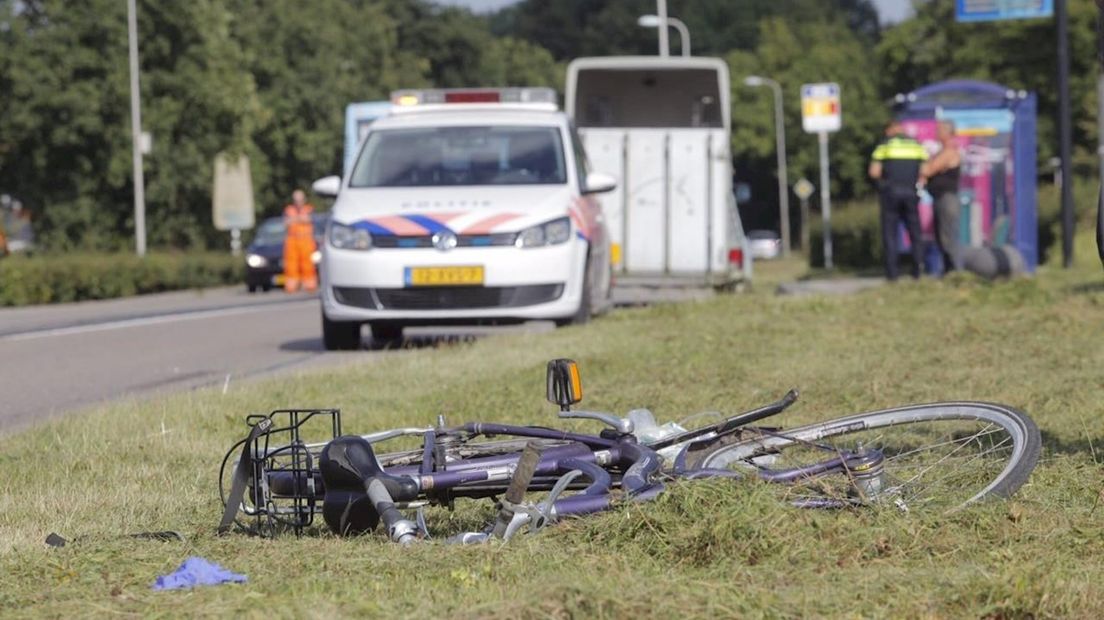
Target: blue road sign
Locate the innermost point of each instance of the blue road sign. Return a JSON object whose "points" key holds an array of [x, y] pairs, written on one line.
{"points": [[993, 10]]}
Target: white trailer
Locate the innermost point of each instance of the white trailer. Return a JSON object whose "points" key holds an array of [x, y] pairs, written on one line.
{"points": [[661, 125]]}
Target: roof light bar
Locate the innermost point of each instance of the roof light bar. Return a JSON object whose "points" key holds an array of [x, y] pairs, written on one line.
{"points": [[458, 96]]}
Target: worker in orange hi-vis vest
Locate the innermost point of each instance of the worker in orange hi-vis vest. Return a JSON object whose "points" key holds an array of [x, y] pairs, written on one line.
{"points": [[299, 245]]}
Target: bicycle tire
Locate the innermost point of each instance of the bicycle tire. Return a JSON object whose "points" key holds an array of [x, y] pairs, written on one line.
{"points": [[1022, 453]]}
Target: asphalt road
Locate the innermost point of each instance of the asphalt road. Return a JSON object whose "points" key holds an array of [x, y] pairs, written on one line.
{"points": [[61, 358], [56, 359]]}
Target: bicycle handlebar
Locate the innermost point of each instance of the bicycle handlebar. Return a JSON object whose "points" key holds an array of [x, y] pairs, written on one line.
{"points": [[732, 423]]}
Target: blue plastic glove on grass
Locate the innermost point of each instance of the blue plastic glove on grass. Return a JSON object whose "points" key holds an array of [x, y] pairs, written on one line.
{"points": [[196, 571]]}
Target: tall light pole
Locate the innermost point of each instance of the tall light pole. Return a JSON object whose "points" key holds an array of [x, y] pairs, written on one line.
{"points": [[1065, 135], [780, 149], [136, 133], [652, 21], [1100, 128], [661, 12]]}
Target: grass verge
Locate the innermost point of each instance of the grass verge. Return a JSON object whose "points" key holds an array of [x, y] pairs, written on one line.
{"points": [[703, 549]]}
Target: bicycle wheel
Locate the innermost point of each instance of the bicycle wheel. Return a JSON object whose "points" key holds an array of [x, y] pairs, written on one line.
{"points": [[934, 456]]}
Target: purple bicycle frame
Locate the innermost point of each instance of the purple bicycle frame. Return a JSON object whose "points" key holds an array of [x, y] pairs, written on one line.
{"points": [[583, 452]]}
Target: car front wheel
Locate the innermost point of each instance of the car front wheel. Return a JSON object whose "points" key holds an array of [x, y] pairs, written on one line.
{"points": [[586, 303], [340, 335]]}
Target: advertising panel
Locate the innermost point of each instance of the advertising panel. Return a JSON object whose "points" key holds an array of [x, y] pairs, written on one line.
{"points": [[986, 188]]}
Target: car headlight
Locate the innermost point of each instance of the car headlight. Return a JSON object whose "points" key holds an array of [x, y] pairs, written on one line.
{"points": [[549, 233], [345, 237], [256, 261], [316, 257]]}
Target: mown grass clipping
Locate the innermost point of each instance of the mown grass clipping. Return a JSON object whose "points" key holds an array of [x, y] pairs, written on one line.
{"points": [[711, 549]]}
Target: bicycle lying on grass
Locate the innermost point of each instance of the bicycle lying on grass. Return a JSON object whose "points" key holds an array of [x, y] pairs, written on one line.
{"points": [[937, 456]]}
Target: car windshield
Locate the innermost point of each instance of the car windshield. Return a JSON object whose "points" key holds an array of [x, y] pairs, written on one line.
{"points": [[270, 232], [448, 156]]}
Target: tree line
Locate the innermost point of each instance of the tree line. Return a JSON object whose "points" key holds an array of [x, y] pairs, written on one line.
{"points": [[271, 79]]}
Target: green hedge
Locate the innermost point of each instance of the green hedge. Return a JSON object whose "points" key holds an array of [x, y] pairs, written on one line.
{"points": [[856, 237], [44, 279]]}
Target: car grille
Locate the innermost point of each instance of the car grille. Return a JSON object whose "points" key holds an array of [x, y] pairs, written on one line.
{"points": [[426, 241], [447, 297]]}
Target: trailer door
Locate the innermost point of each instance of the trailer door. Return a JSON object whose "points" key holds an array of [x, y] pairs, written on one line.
{"points": [[689, 201]]}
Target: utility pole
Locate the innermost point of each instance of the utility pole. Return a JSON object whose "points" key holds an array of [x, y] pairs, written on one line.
{"points": [[652, 21], [780, 153], [783, 178], [1065, 136], [664, 45], [136, 133], [1100, 126]]}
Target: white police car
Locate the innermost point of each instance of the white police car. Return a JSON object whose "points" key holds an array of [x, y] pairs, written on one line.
{"points": [[464, 206]]}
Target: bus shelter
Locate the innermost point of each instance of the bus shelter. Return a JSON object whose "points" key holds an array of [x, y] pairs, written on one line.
{"points": [[996, 132]]}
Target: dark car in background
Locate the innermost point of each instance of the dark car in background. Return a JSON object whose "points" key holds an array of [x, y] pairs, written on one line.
{"points": [[264, 258]]}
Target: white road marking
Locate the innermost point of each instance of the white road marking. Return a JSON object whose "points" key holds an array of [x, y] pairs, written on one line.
{"points": [[150, 320]]}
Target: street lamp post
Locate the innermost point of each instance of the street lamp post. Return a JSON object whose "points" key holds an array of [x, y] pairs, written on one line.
{"points": [[652, 21], [136, 134], [780, 149]]}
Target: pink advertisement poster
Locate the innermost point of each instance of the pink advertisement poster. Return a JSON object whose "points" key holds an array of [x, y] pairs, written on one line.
{"points": [[985, 186]]}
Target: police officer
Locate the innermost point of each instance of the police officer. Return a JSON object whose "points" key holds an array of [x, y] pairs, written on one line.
{"points": [[895, 165]]}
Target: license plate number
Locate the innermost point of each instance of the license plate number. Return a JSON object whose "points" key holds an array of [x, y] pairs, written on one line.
{"points": [[444, 276]]}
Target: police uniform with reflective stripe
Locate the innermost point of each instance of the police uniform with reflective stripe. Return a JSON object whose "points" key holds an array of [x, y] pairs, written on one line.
{"points": [[900, 157]]}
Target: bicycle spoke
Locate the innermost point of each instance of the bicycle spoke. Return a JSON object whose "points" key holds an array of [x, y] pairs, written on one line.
{"points": [[945, 443], [930, 467], [953, 472], [927, 462]]}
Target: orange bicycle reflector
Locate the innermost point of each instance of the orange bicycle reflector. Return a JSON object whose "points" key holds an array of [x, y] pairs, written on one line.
{"points": [[576, 382], [565, 387]]}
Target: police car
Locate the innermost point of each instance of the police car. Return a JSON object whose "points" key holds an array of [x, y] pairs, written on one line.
{"points": [[464, 206]]}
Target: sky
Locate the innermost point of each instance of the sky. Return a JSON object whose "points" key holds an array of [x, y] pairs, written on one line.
{"points": [[890, 10]]}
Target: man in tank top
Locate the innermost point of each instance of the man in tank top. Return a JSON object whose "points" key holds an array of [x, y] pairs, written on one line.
{"points": [[941, 173]]}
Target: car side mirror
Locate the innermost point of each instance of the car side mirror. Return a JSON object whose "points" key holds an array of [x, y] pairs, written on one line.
{"points": [[327, 186], [599, 183]]}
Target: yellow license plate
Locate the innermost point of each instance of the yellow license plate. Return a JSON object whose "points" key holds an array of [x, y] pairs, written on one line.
{"points": [[278, 279], [444, 276]]}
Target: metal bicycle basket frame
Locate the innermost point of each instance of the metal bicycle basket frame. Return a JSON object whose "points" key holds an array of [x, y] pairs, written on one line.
{"points": [[281, 453]]}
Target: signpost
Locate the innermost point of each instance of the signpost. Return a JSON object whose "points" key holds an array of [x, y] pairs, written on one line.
{"points": [[232, 198], [821, 114], [804, 190]]}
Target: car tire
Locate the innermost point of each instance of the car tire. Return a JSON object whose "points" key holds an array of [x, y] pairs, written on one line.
{"points": [[384, 334], [586, 303], [340, 335], [252, 288], [266, 287]]}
